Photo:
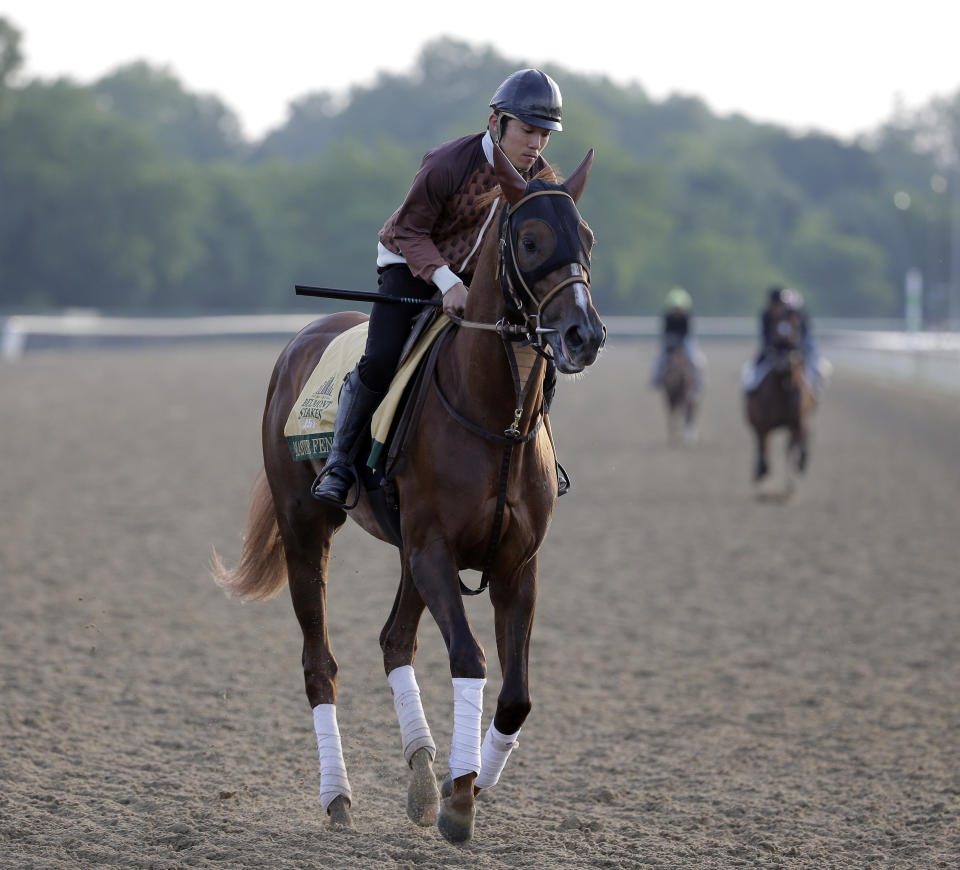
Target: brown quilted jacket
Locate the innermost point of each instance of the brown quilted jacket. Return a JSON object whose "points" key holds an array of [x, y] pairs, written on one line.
{"points": [[442, 220]]}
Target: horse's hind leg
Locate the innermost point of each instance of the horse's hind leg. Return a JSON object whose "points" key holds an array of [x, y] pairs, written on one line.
{"points": [[398, 640], [307, 528]]}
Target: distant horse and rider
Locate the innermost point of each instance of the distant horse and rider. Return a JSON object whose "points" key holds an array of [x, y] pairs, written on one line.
{"points": [[475, 481], [678, 369], [782, 386]]}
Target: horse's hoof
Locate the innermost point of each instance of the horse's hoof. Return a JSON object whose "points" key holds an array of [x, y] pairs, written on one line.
{"points": [[446, 787], [423, 799], [456, 824], [339, 812]]}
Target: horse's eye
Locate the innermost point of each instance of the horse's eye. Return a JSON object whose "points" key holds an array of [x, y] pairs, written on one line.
{"points": [[529, 244]]}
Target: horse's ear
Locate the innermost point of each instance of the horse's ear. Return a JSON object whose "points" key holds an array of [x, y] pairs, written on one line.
{"points": [[575, 183], [511, 181]]}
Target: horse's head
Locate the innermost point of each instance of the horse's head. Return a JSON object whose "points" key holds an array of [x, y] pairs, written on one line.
{"points": [[544, 263]]}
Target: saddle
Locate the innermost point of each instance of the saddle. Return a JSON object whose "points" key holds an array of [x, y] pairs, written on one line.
{"points": [[773, 359], [378, 454]]}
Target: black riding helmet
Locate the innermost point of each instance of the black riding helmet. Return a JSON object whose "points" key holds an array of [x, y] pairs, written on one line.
{"points": [[530, 96]]}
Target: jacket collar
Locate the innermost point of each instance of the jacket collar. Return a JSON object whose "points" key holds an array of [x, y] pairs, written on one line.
{"points": [[487, 142]]}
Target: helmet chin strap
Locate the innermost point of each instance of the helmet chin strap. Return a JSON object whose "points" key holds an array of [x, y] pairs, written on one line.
{"points": [[501, 123], [502, 118]]}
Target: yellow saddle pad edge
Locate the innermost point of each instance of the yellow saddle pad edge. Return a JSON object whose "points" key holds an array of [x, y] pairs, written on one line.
{"points": [[383, 416], [310, 423], [309, 426]]}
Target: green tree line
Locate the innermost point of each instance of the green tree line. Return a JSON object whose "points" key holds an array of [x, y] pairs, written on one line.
{"points": [[133, 194]]}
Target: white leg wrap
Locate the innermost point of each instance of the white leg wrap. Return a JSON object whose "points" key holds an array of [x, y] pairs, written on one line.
{"points": [[333, 772], [494, 753], [414, 731], [467, 708]]}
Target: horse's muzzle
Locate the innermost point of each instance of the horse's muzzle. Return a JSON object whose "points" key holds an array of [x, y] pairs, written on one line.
{"points": [[576, 344]]}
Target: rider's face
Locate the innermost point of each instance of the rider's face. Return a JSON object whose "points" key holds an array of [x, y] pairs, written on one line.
{"points": [[521, 142]]}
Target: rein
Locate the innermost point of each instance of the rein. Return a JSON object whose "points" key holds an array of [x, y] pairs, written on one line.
{"points": [[513, 331]]}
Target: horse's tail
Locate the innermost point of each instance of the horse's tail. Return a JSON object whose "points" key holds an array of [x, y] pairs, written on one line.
{"points": [[262, 570]]}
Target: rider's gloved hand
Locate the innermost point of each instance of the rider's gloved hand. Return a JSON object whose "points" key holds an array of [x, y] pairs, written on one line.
{"points": [[455, 299]]}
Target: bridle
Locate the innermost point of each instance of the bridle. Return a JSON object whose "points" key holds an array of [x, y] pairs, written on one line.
{"points": [[564, 254], [520, 324]]}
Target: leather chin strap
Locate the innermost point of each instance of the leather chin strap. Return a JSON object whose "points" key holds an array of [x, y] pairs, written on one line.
{"points": [[502, 118]]}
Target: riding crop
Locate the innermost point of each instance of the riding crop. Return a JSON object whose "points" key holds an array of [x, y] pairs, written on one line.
{"points": [[361, 295]]}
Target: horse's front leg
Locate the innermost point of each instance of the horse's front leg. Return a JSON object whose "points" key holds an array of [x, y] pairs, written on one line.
{"points": [[673, 419], [796, 455], [690, 422], [398, 640], [435, 574], [801, 446], [513, 601], [762, 467]]}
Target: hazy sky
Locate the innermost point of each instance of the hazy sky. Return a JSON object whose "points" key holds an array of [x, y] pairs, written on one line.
{"points": [[835, 66]]}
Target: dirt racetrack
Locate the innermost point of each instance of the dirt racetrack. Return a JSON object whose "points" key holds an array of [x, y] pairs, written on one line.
{"points": [[719, 680]]}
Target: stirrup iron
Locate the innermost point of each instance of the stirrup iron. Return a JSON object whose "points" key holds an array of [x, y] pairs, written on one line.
{"points": [[356, 485]]}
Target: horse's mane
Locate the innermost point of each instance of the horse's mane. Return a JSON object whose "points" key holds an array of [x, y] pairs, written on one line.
{"points": [[548, 173]]}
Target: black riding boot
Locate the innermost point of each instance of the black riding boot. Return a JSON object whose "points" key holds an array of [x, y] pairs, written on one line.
{"points": [[357, 405], [549, 390]]}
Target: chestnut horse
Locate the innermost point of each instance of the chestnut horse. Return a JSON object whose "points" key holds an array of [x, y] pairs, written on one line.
{"points": [[680, 395], [782, 399], [477, 491]]}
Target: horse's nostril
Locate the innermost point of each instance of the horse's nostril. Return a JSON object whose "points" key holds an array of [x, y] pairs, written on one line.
{"points": [[573, 337]]}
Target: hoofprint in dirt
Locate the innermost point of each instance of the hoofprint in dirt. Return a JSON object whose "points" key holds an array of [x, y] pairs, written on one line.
{"points": [[717, 681]]}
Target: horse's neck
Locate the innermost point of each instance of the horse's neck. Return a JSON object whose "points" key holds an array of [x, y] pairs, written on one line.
{"points": [[485, 301], [485, 386]]}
